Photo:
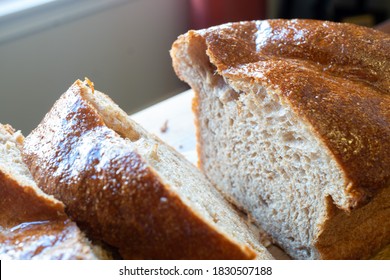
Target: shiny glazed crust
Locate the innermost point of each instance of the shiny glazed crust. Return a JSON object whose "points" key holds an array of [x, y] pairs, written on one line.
{"points": [[335, 76], [34, 225], [112, 193]]}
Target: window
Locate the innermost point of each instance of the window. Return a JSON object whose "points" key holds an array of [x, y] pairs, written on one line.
{"points": [[8, 7], [20, 18]]}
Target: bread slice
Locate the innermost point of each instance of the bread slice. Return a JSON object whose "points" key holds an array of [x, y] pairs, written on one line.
{"points": [[127, 188], [33, 225], [293, 126]]}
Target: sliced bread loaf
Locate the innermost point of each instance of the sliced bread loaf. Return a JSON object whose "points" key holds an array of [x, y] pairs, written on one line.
{"points": [[33, 225], [293, 126], [127, 188]]}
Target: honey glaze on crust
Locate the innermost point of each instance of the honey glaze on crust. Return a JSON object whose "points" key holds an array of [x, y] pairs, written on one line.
{"points": [[34, 226], [56, 239], [111, 192], [335, 76], [21, 204], [26, 221]]}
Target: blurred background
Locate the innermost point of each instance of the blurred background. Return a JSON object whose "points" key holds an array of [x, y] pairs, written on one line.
{"points": [[123, 45]]}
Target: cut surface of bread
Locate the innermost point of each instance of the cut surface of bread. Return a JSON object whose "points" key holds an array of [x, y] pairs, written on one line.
{"points": [[33, 225], [293, 126], [126, 187]]}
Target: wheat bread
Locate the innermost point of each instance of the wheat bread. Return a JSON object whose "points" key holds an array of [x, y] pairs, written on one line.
{"points": [[33, 225], [293, 126], [126, 187]]}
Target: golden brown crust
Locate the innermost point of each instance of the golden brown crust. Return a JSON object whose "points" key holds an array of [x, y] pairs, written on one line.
{"points": [[335, 76], [57, 239], [22, 204], [111, 192], [359, 234], [195, 110], [35, 226]]}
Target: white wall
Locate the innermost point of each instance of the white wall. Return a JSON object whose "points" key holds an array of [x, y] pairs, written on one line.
{"points": [[123, 49]]}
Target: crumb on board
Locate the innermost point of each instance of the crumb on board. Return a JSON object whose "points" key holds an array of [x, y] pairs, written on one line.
{"points": [[164, 127]]}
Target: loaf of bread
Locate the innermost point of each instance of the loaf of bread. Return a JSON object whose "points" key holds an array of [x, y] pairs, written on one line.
{"points": [[293, 126], [127, 188], [33, 225]]}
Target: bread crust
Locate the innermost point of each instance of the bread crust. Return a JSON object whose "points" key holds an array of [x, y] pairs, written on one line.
{"points": [[34, 225], [112, 193], [334, 76], [360, 234]]}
